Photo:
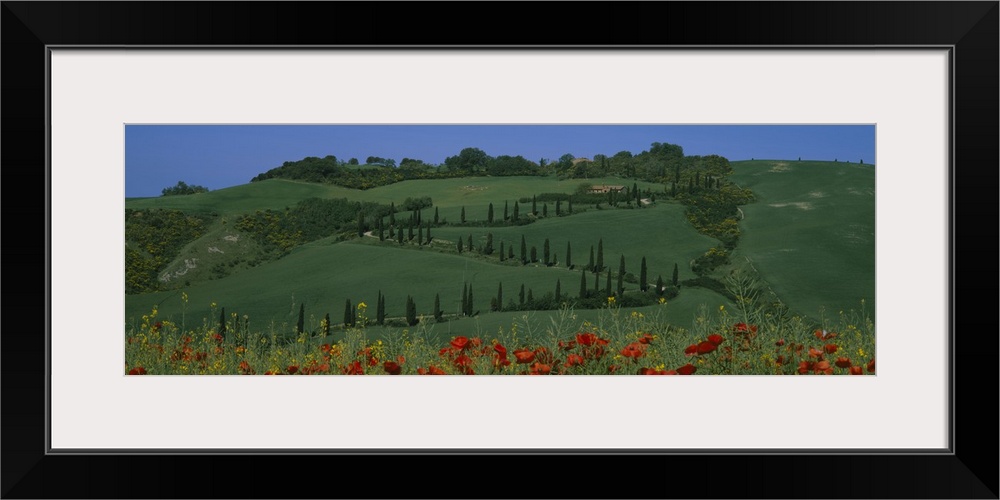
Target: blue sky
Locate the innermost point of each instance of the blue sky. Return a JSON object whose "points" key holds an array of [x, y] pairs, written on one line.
{"points": [[219, 156]]}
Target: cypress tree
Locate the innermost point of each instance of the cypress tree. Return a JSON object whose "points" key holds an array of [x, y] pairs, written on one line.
{"points": [[516, 216], [534, 206], [500, 297], [348, 313], [503, 253], [621, 285], [438, 315], [569, 209], [326, 325], [301, 326], [488, 249], [607, 286], [380, 309], [419, 221], [583, 284], [510, 252], [659, 285], [621, 266], [531, 298], [420, 235], [642, 275], [558, 290], [569, 255], [458, 245], [463, 215], [505, 214], [392, 214], [524, 247], [558, 207], [399, 236], [436, 216], [471, 248], [674, 278], [597, 283], [381, 230], [534, 254], [600, 255], [472, 303], [411, 311], [410, 230], [590, 266], [545, 209], [673, 190], [489, 214], [635, 191], [428, 240], [465, 299], [361, 224], [222, 321], [520, 296], [545, 251]]}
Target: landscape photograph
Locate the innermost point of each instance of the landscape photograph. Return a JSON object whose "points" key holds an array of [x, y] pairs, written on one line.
{"points": [[499, 250]]}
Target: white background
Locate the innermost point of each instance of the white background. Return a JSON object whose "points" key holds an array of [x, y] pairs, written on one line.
{"points": [[94, 93]]}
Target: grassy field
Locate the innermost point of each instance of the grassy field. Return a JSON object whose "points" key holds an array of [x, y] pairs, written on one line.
{"points": [[811, 233]]}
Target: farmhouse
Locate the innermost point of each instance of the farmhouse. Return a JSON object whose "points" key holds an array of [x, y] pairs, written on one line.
{"points": [[606, 189]]}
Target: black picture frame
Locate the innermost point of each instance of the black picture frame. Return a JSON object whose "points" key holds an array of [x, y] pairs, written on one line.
{"points": [[971, 28]]}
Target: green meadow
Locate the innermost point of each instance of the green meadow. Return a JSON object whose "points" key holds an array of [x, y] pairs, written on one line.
{"points": [[811, 232], [809, 235]]}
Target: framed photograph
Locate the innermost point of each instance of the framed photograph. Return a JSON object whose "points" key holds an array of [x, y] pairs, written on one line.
{"points": [[480, 145]]}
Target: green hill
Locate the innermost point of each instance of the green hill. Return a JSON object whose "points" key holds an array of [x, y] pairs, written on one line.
{"points": [[811, 232]]}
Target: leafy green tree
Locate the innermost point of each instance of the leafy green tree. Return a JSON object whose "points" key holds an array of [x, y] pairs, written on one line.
{"points": [[182, 188], [673, 279], [300, 326], [489, 214], [352, 161]]}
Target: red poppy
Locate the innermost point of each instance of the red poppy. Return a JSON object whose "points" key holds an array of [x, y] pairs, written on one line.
{"points": [[574, 360], [272, 372], [780, 342], [392, 368], [524, 356], [830, 348], [475, 342], [648, 337], [325, 348], [245, 368], [459, 342], [292, 369], [857, 370], [780, 361], [499, 362], [463, 361], [687, 369], [217, 337], [705, 347], [691, 350], [716, 339], [401, 359], [871, 366], [633, 350], [567, 345], [805, 367], [421, 371], [446, 350], [744, 328], [814, 353], [824, 367], [843, 362], [586, 339], [823, 335], [670, 372], [540, 369], [353, 368], [500, 350], [613, 368], [137, 371]]}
